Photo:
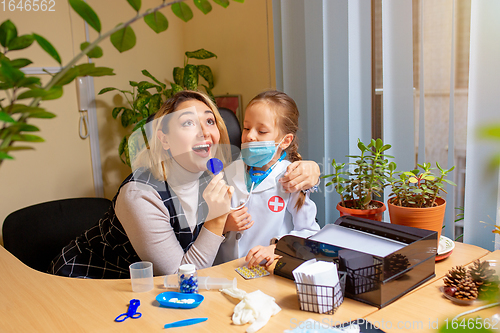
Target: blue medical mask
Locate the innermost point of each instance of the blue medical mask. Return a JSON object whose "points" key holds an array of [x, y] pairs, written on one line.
{"points": [[258, 153]]}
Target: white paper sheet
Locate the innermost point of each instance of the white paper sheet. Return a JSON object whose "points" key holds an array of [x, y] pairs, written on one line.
{"points": [[321, 274], [356, 240]]}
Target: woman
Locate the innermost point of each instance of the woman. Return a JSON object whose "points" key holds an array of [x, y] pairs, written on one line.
{"points": [[167, 211]]}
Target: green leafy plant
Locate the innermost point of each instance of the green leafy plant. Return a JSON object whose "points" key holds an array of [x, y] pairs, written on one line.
{"points": [[24, 94], [369, 175], [418, 188], [146, 97]]}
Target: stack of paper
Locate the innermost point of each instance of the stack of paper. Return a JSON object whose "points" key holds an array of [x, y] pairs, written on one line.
{"points": [[324, 292]]}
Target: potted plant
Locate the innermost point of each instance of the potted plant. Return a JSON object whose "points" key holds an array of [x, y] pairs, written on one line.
{"points": [[369, 175], [415, 199]]}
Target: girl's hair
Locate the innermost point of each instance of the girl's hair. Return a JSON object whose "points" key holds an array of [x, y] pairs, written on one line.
{"points": [[154, 157], [287, 121]]}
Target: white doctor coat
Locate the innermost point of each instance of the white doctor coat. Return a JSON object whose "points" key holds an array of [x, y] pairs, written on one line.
{"points": [[272, 209]]}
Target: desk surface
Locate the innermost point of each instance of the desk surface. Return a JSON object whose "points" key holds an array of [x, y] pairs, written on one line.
{"points": [[34, 301]]}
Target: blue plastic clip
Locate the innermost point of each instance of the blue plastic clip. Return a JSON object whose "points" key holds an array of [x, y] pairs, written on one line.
{"points": [[131, 312]]}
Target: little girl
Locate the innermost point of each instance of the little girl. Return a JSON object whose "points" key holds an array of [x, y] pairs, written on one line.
{"points": [[269, 145]]}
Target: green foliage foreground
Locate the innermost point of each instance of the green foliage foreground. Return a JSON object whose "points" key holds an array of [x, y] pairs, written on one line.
{"points": [[22, 96]]}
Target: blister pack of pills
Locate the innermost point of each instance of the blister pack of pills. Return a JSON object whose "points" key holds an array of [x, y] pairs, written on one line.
{"points": [[252, 273]]}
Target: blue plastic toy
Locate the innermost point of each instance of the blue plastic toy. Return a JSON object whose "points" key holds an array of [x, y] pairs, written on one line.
{"points": [[131, 312], [215, 165]]}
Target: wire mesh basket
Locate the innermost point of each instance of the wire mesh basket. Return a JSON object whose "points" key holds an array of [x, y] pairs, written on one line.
{"points": [[364, 279], [321, 299]]}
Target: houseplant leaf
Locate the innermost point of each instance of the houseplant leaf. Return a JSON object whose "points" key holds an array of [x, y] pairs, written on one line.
{"points": [[178, 75], [176, 88], [156, 21], [8, 32], [200, 54], [191, 77], [29, 81], [27, 138], [128, 117], [42, 115], [124, 39], [206, 73], [37, 92], [20, 108], [20, 63], [144, 85], [182, 11], [122, 149], [146, 73], [68, 77], [96, 52], [105, 90], [203, 5], [223, 3], [9, 73], [54, 93], [101, 71], [155, 103], [136, 4], [6, 118], [14, 148], [86, 13], [5, 156], [116, 111], [47, 47], [21, 42], [22, 127]]}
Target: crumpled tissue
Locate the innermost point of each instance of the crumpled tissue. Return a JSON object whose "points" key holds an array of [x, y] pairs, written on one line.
{"points": [[255, 308]]}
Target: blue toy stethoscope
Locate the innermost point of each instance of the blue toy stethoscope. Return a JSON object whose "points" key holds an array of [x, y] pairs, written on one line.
{"points": [[256, 176]]}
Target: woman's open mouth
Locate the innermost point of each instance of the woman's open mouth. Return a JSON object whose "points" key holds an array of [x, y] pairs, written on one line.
{"points": [[203, 149]]}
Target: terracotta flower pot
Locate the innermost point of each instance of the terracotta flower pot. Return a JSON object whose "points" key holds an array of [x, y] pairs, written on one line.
{"points": [[372, 214], [424, 218]]}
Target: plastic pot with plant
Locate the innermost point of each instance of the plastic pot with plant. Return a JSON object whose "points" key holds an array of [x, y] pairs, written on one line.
{"points": [[364, 179], [415, 198]]}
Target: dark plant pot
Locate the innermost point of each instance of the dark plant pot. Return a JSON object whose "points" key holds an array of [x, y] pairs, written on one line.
{"points": [[372, 214], [430, 218]]}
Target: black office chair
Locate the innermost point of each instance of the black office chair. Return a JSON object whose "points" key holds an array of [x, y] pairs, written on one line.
{"points": [[37, 233], [233, 130]]}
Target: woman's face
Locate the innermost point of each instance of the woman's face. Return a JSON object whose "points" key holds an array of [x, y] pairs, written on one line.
{"points": [[192, 134]]}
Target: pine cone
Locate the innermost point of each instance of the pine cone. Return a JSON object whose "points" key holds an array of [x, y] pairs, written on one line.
{"points": [[398, 263], [454, 276], [485, 278], [466, 289]]}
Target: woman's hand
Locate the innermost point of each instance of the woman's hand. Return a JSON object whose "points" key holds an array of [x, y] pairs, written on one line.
{"points": [[238, 220], [300, 175], [259, 253], [217, 195]]}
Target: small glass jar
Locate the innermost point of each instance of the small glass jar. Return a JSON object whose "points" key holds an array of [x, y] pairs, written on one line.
{"points": [[188, 279]]}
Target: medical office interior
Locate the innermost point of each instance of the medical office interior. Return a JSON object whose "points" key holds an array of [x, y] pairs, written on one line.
{"points": [[421, 75]]}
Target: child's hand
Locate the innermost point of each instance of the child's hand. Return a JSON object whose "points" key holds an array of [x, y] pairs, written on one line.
{"points": [[238, 220], [218, 195], [259, 253]]}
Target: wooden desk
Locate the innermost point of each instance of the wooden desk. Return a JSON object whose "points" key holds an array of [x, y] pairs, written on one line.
{"points": [[32, 301], [423, 309]]}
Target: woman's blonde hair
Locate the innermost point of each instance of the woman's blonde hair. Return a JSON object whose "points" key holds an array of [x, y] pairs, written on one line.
{"points": [[287, 121], [157, 159]]}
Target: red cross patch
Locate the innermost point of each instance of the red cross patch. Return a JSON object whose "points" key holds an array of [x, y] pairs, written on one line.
{"points": [[276, 204]]}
